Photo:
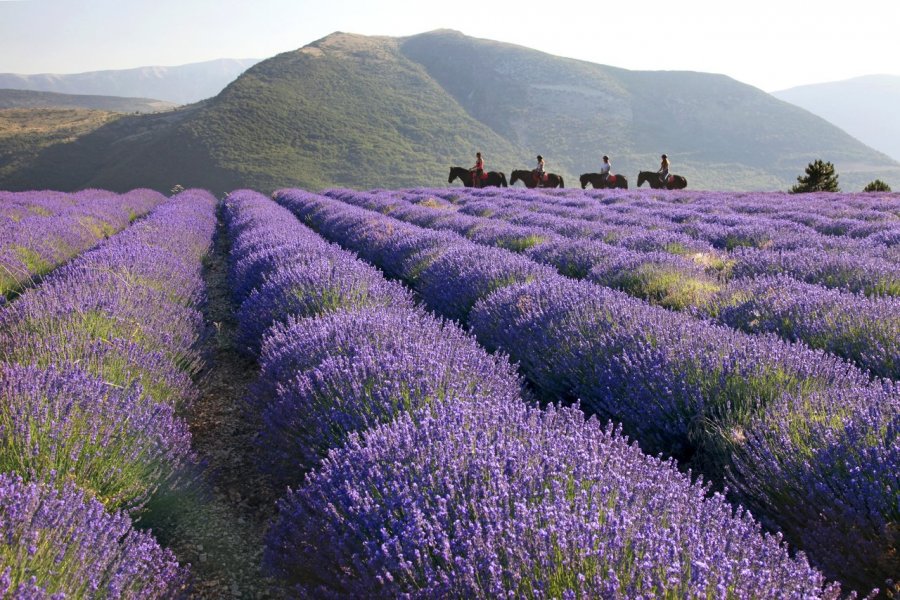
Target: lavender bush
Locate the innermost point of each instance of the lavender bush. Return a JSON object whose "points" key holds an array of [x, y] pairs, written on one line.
{"points": [[41, 230], [867, 274], [497, 500], [126, 310], [825, 470], [68, 426], [303, 278], [680, 386], [327, 284], [863, 330], [60, 544], [660, 278], [322, 378]]}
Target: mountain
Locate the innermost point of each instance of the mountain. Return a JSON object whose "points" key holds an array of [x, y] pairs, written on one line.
{"points": [[360, 111], [865, 107], [29, 99], [182, 84]]}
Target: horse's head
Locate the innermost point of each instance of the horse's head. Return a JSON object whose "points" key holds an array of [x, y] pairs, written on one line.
{"points": [[584, 180], [514, 177], [453, 175], [642, 177]]}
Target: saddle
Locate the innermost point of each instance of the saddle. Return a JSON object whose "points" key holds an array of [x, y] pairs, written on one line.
{"points": [[538, 180], [611, 179]]}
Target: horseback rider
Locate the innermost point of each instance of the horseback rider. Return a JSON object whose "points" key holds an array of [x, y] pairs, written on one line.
{"points": [[604, 170], [664, 171], [539, 173], [477, 172]]}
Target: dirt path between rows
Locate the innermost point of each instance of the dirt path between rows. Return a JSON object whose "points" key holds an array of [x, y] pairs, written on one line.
{"points": [[219, 527]]}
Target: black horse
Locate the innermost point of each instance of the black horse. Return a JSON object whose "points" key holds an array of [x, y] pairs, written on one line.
{"points": [[494, 178], [531, 181], [675, 182], [613, 181]]}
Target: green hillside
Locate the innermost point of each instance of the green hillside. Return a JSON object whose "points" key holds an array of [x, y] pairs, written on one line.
{"points": [[365, 112], [25, 132]]}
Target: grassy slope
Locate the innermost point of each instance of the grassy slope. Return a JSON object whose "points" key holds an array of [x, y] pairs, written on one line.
{"points": [[25, 132]]}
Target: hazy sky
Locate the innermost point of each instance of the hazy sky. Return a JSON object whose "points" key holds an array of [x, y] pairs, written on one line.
{"points": [[771, 44]]}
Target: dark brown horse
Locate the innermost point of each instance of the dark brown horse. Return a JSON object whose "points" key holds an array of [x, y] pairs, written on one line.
{"points": [[674, 182], [494, 178], [530, 179], [596, 179]]}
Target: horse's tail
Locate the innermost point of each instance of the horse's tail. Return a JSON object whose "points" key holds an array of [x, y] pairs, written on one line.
{"points": [[624, 182], [561, 183], [502, 179]]}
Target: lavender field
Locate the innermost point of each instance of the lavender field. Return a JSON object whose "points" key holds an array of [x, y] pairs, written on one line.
{"points": [[450, 393]]}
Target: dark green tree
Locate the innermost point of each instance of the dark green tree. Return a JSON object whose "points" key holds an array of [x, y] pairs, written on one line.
{"points": [[820, 177], [877, 186]]}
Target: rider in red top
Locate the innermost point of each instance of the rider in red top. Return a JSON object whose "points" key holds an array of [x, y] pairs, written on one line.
{"points": [[477, 171]]}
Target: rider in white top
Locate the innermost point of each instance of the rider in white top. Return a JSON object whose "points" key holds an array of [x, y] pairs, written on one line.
{"points": [[539, 171], [604, 169]]}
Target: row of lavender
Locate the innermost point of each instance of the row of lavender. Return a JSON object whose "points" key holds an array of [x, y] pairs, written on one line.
{"points": [[862, 329], [41, 230], [94, 365], [441, 480], [863, 222], [804, 439], [738, 244]]}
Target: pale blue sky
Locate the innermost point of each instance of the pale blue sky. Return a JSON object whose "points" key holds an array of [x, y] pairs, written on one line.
{"points": [[771, 44]]}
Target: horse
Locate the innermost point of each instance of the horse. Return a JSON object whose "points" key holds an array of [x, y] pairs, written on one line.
{"points": [[613, 181], [675, 182], [494, 178], [530, 180]]}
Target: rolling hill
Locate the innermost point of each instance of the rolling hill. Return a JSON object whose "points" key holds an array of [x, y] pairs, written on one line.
{"points": [[361, 111], [864, 107], [30, 99]]}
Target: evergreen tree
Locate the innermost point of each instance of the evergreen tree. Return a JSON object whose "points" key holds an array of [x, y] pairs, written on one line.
{"points": [[877, 186], [820, 177]]}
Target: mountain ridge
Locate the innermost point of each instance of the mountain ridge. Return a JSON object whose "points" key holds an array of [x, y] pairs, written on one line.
{"points": [[180, 84], [865, 107], [375, 111]]}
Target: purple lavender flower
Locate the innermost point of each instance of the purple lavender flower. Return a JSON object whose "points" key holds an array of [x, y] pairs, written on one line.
{"points": [[493, 499], [825, 470], [860, 329], [325, 377], [66, 425], [861, 273], [324, 285], [59, 543], [119, 293], [41, 230]]}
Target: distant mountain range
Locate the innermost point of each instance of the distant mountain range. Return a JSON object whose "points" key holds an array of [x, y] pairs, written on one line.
{"points": [[364, 112], [29, 99], [865, 107], [181, 85]]}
